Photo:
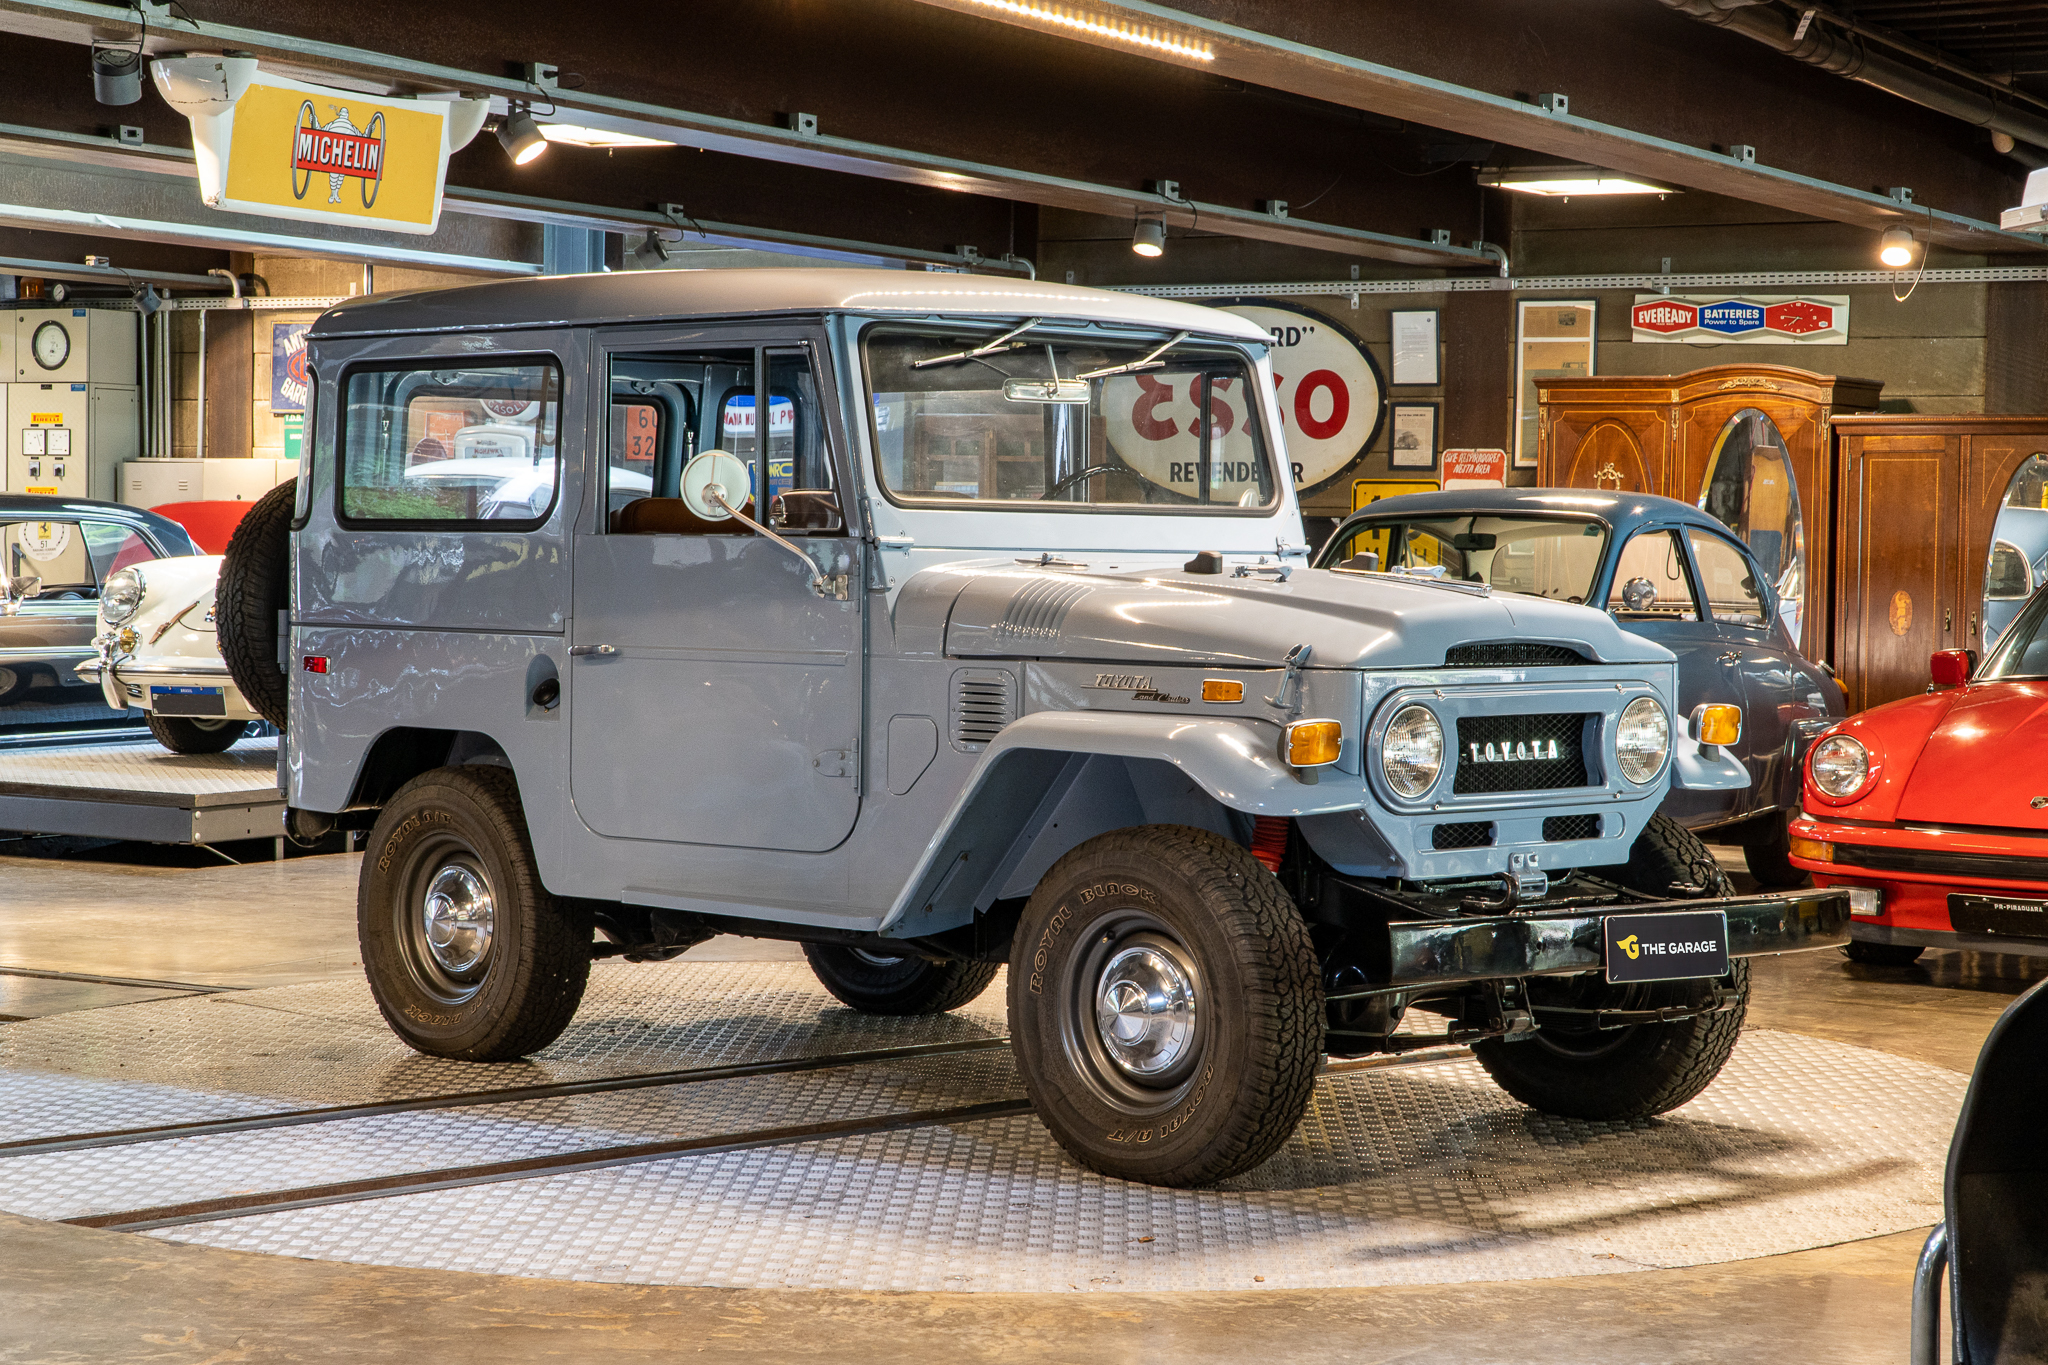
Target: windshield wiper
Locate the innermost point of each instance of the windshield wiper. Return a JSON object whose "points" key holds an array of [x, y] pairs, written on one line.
{"points": [[1150, 362], [1001, 343]]}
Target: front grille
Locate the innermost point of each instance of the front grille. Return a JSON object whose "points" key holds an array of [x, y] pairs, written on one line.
{"points": [[1558, 828], [1943, 862], [1476, 834], [982, 706], [1512, 654], [1515, 753]]}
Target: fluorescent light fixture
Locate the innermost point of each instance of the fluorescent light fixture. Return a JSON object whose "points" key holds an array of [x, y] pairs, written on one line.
{"points": [[1560, 181], [1117, 30], [1896, 248], [519, 135], [576, 135], [1149, 238]]}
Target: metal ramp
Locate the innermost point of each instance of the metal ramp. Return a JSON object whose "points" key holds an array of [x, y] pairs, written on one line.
{"points": [[143, 791]]}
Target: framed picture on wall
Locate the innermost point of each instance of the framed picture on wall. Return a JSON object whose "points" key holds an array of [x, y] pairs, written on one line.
{"points": [[1415, 353], [1553, 340], [1414, 444]]}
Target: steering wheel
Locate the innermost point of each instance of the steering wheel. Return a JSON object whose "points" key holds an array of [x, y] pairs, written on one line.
{"points": [[1076, 477]]}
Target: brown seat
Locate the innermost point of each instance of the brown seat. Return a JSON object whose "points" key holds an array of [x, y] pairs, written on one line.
{"points": [[673, 517]]}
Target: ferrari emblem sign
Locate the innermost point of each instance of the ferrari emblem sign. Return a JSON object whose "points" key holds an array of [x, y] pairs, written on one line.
{"points": [[287, 149], [1822, 321]]}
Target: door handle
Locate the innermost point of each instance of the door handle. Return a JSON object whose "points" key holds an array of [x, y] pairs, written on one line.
{"points": [[588, 651], [1733, 656]]}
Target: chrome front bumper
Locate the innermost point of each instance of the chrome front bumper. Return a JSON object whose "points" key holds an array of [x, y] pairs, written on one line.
{"points": [[113, 671], [1445, 951]]}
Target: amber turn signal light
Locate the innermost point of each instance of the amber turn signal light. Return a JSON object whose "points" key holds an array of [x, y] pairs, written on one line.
{"points": [[1717, 724], [1219, 689], [1313, 743], [1813, 850]]}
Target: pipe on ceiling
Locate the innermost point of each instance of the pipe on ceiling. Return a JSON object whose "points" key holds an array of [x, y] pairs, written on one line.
{"points": [[1846, 57]]}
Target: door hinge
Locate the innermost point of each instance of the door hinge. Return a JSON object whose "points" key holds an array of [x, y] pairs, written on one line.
{"points": [[834, 763]]}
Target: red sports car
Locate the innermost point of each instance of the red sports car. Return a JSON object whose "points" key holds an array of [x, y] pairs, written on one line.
{"points": [[1940, 803]]}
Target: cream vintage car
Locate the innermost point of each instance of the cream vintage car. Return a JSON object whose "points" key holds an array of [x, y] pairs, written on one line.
{"points": [[158, 652]]}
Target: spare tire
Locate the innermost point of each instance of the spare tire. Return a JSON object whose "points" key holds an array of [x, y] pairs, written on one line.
{"points": [[255, 587]]}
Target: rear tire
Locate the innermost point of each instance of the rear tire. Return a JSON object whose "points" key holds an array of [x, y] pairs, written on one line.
{"points": [[1644, 1069], [195, 735], [467, 954], [1165, 1006], [880, 983], [1770, 857], [15, 684], [254, 586], [1883, 954]]}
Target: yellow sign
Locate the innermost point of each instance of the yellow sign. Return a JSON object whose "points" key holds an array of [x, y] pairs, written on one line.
{"points": [[46, 419], [288, 149], [1366, 492], [37, 488]]}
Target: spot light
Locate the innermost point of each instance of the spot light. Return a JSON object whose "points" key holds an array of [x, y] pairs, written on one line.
{"points": [[116, 75], [1149, 238], [1896, 248], [519, 135]]}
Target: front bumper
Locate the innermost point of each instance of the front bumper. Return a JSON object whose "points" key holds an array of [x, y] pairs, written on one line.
{"points": [[126, 682], [1447, 951], [1916, 871]]}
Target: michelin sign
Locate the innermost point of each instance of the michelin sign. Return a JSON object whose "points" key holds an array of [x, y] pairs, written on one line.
{"points": [[288, 149]]}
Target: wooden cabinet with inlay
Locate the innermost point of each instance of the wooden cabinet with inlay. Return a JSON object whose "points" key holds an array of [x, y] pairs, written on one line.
{"points": [[1750, 443]]}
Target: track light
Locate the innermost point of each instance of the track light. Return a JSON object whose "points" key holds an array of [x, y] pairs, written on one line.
{"points": [[1149, 239], [1896, 248], [116, 75], [519, 135]]}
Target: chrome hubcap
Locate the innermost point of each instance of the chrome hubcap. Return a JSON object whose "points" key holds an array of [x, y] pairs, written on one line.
{"points": [[1145, 1010], [460, 918]]}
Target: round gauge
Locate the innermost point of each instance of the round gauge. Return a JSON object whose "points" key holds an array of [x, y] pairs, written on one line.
{"points": [[52, 345]]}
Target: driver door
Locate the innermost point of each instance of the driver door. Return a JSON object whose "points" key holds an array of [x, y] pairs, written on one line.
{"points": [[715, 697]]}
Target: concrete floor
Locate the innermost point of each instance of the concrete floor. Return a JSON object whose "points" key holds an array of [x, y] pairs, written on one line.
{"points": [[74, 1294]]}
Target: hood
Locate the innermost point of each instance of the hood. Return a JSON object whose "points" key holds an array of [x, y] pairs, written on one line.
{"points": [[1165, 618], [1979, 766]]}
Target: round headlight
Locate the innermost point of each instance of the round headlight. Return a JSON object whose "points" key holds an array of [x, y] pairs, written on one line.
{"points": [[1841, 765], [1643, 741], [121, 595], [1413, 753]]}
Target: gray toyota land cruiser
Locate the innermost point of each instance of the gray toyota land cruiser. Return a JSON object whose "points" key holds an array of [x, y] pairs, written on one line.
{"points": [[938, 623]]}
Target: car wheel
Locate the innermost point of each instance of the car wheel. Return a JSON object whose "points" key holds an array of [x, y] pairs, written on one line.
{"points": [[467, 953], [254, 586], [195, 734], [15, 684], [1642, 1069], [1769, 857], [887, 983], [1883, 954], [1165, 1006]]}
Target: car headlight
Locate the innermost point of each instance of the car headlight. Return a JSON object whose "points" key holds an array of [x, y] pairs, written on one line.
{"points": [[121, 595], [1841, 766], [1643, 741], [1412, 754]]}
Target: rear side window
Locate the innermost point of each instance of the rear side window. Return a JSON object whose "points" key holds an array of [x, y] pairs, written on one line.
{"points": [[1732, 591], [452, 444]]}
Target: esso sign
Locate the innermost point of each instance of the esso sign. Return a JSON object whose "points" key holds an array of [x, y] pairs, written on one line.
{"points": [[1154, 425], [1329, 389]]}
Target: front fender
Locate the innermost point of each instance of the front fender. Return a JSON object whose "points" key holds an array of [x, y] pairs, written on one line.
{"points": [[1234, 760], [1706, 768]]}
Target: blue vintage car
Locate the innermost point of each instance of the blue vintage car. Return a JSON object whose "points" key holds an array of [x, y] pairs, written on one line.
{"points": [[1664, 570]]}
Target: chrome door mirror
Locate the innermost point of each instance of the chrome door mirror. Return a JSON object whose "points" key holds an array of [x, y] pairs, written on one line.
{"points": [[16, 589], [1638, 594]]}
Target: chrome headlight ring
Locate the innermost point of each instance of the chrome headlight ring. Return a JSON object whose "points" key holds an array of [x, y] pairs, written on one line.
{"points": [[121, 595], [1412, 751], [1642, 740]]}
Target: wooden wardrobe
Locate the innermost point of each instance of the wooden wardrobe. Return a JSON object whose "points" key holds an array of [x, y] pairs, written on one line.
{"points": [[1661, 434]]}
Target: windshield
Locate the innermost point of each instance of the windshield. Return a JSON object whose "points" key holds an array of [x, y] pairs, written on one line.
{"points": [[1039, 419], [2023, 650], [1550, 557]]}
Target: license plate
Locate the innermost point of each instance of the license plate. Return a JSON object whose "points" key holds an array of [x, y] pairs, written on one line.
{"points": [[2014, 917], [1678, 946], [189, 701]]}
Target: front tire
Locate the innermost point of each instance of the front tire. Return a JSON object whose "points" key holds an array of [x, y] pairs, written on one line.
{"points": [[467, 954], [196, 735], [1643, 1069], [883, 983], [1165, 1006], [1770, 857]]}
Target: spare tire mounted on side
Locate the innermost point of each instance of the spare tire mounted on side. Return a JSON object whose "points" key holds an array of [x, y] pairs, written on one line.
{"points": [[255, 586]]}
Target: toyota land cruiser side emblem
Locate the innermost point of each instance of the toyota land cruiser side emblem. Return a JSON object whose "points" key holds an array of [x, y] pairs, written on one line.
{"points": [[1122, 682], [1521, 751]]}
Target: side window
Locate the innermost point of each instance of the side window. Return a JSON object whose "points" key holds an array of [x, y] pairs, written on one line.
{"points": [[667, 407], [1732, 591], [113, 546], [1651, 582], [54, 551], [461, 444]]}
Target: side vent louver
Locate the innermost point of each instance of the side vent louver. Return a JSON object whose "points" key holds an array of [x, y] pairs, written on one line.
{"points": [[984, 701]]}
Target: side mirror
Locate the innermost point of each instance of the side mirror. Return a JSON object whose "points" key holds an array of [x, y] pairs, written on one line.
{"points": [[16, 590], [806, 509], [1638, 594], [1952, 667]]}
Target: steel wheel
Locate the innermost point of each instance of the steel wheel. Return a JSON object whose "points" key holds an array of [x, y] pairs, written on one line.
{"points": [[1131, 1015], [449, 921]]}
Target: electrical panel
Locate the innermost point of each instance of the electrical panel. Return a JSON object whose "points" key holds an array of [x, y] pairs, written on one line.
{"points": [[70, 440], [72, 345]]}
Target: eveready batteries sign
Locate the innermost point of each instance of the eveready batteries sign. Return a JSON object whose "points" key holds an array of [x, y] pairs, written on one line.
{"points": [[1331, 395], [1820, 320], [287, 149]]}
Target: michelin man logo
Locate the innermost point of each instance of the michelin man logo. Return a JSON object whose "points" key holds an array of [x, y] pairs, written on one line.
{"points": [[338, 124]]}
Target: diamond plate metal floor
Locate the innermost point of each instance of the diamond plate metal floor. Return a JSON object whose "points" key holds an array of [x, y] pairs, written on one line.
{"points": [[1417, 1175], [248, 771]]}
